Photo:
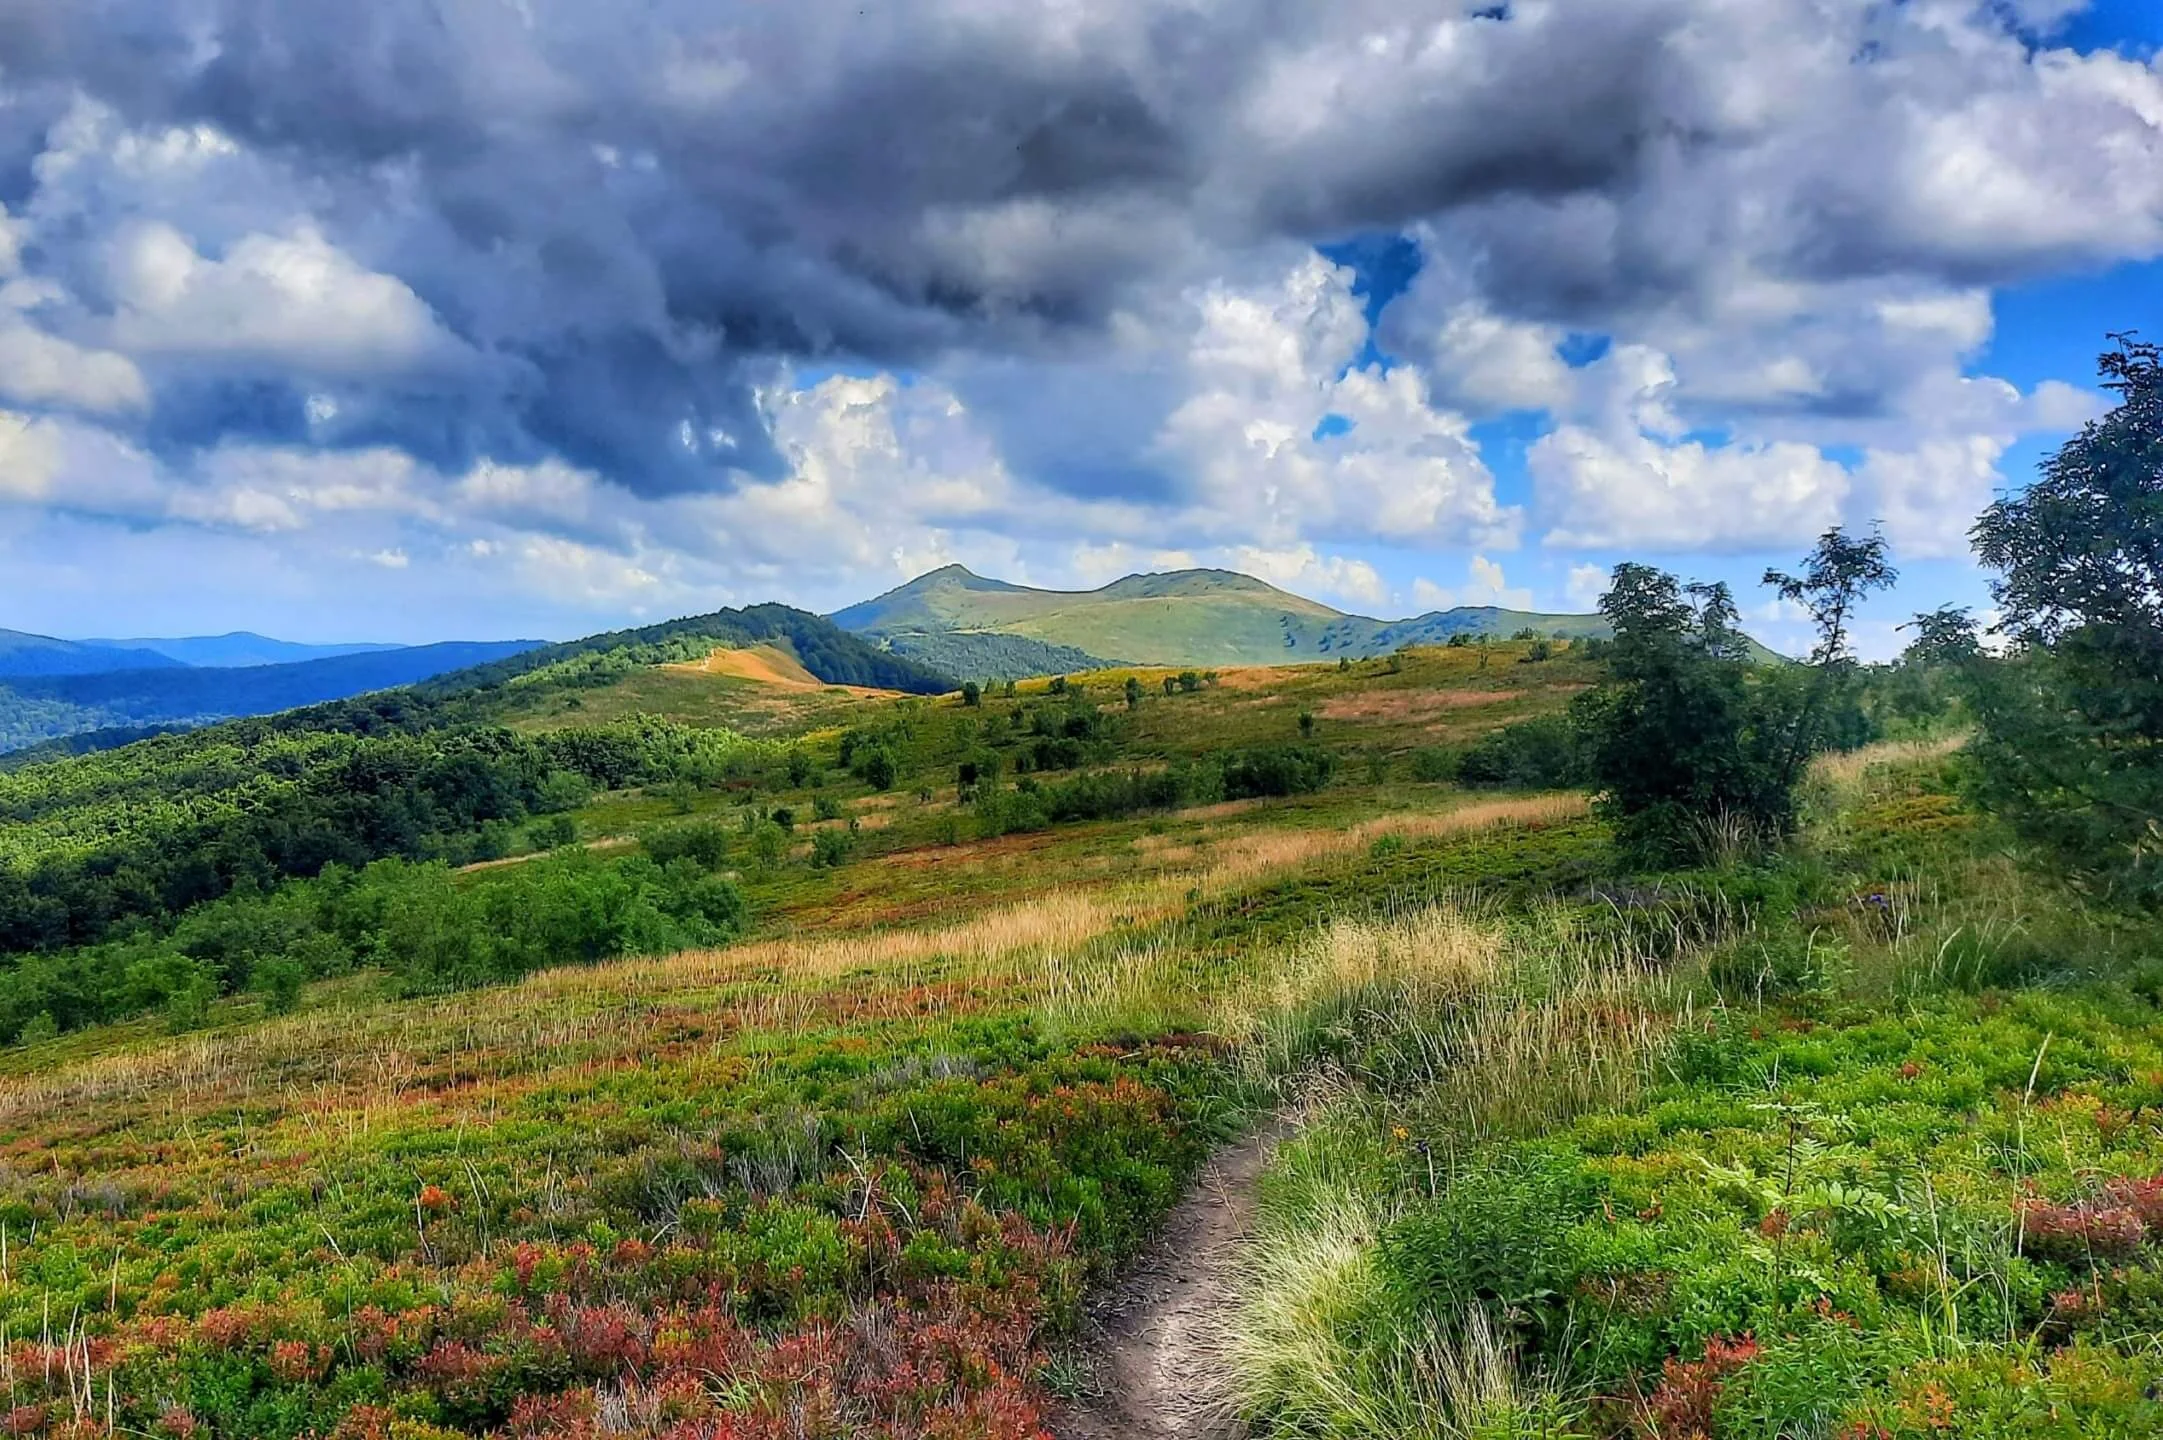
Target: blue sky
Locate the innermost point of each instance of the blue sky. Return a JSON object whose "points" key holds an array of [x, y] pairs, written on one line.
{"points": [[1400, 304]]}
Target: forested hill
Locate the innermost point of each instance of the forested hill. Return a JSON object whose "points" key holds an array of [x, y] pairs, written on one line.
{"points": [[826, 650], [181, 862], [39, 708], [63, 713]]}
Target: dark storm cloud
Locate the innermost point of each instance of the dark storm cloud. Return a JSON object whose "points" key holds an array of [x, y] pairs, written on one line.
{"points": [[624, 214]]}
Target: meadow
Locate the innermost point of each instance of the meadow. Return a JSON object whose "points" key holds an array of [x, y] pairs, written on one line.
{"points": [[1856, 1137]]}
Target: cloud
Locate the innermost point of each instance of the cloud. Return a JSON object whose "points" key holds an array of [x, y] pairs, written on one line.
{"points": [[686, 303], [1302, 570], [29, 457], [1587, 585], [37, 369], [782, 182], [1265, 367], [293, 301], [1484, 585]]}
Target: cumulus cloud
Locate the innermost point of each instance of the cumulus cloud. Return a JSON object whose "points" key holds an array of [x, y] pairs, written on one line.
{"points": [[783, 180], [723, 298], [287, 301], [1587, 583], [1302, 570], [1484, 584]]}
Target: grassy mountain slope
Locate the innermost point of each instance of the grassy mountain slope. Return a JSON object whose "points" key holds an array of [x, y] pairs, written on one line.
{"points": [[25, 654], [238, 648], [828, 652], [983, 627], [1185, 617]]}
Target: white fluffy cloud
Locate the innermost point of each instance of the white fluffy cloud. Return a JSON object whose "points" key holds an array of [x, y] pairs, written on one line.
{"points": [[1300, 568], [1282, 435], [37, 369], [294, 300], [507, 310], [1484, 584]]}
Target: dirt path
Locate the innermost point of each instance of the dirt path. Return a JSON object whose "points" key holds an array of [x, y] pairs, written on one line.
{"points": [[1154, 1334]]}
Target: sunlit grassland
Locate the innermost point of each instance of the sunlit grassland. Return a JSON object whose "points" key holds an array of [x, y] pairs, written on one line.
{"points": [[228, 1225], [1865, 1146]]}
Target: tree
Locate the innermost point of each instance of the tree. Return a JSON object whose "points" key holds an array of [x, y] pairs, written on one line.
{"points": [[2070, 742], [1133, 693], [1836, 576], [1306, 724], [972, 694], [1691, 745]]}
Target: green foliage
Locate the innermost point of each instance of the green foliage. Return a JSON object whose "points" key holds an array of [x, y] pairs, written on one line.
{"points": [[144, 833], [830, 849], [1546, 753], [1433, 764], [1690, 744], [2070, 748], [1276, 770], [703, 842]]}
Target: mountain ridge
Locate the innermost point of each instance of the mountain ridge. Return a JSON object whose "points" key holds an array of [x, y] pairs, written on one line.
{"points": [[1179, 617], [237, 649]]}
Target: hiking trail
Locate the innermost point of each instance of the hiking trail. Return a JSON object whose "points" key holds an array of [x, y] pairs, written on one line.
{"points": [[1155, 1335]]}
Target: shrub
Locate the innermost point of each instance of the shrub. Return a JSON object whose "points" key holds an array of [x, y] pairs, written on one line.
{"points": [[1540, 754], [705, 842], [1277, 770], [1434, 763]]}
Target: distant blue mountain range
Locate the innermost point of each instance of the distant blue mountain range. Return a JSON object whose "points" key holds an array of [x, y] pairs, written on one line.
{"points": [[53, 689], [241, 647]]}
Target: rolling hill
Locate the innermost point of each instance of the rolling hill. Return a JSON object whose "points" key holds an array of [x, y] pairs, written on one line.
{"points": [[48, 707], [236, 649], [982, 626], [22, 653]]}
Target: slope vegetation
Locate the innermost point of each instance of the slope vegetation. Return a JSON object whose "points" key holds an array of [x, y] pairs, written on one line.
{"points": [[38, 708], [22, 653], [1187, 617]]}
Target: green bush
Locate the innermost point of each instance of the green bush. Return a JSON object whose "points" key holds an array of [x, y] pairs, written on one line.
{"points": [[1540, 754], [705, 842], [1276, 770]]}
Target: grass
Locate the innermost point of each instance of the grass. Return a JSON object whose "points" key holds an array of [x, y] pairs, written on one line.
{"points": [[1841, 1141], [851, 1176], [1862, 1141]]}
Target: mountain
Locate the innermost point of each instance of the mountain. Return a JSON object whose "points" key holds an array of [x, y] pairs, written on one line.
{"points": [[238, 648], [828, 652], [1184, 617], [36, 708], [26, 654]]}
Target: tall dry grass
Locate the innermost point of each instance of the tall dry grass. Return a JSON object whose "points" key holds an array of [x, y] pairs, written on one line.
{"points": [[1456, 1026], [1063, 949]]}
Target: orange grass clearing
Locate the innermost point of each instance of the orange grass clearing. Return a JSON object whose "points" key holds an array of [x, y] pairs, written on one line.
{"points": [[769, 665]]}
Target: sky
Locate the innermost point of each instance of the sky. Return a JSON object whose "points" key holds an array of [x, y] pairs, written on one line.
{"points": [[433, 319]]}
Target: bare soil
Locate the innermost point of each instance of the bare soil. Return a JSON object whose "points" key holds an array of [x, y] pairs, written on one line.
{"points": [[1156, 1335]]}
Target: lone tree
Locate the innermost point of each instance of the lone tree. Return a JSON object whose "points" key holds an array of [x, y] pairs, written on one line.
{"points": [[1692, 746], [2070, 742]]}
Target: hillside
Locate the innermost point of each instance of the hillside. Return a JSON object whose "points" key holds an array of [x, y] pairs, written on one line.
{"points": [[39, 708], [22, 653], [237, 648], [979, 626]]}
